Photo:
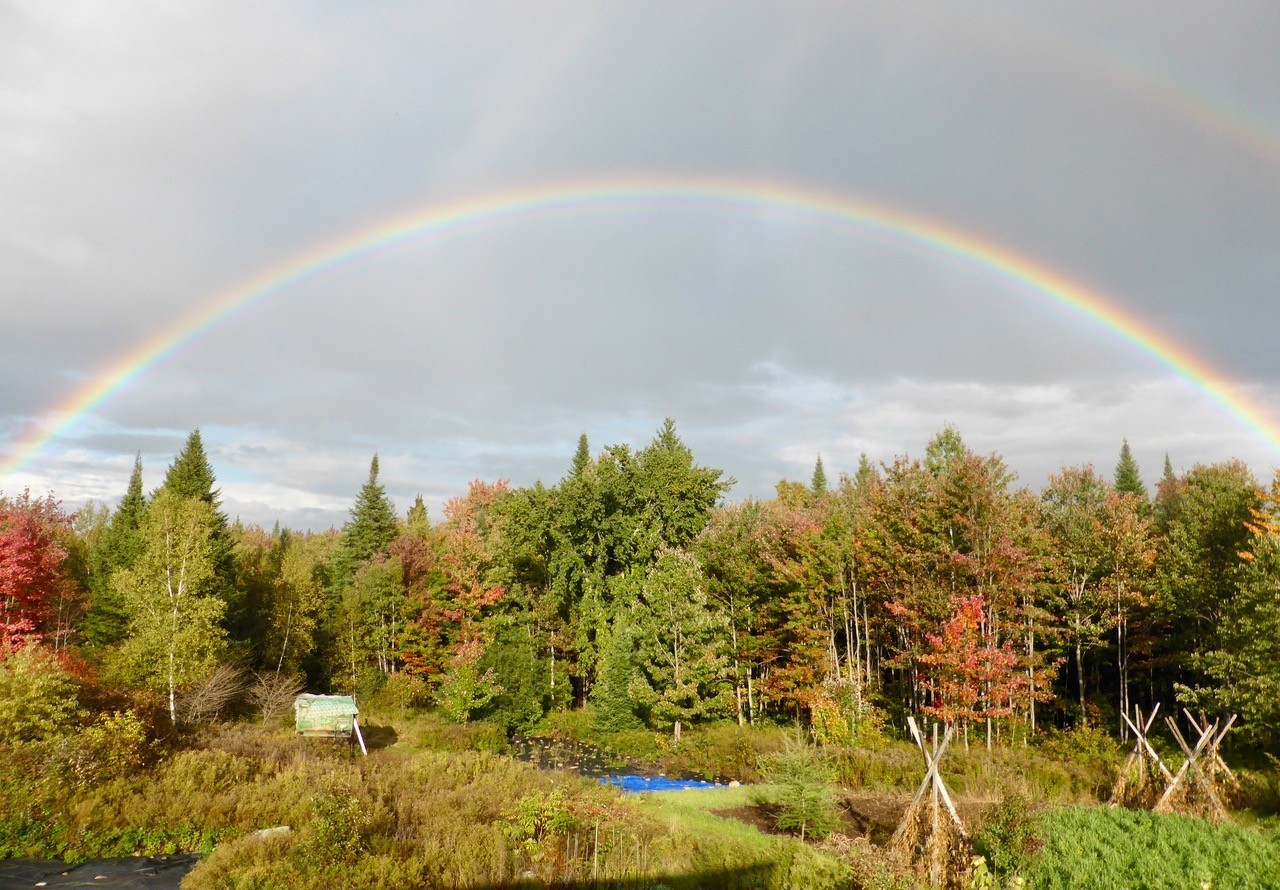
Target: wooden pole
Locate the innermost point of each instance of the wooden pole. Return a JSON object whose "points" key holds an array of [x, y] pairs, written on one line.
{"points": [[355, 724]]}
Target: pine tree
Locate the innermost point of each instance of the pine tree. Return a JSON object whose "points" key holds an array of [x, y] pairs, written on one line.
{"points": [[614, 708], [819, 484], [1128, 480], [581, 458], [106, 619], [373, 521], [191, 476], [417, 522], [865, 474]]}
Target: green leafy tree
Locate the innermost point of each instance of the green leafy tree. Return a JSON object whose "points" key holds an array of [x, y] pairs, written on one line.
{"points": [[175, 636], [1205, 519], [1243, 670], [191, 476], [295, 608], [1073, 507]]}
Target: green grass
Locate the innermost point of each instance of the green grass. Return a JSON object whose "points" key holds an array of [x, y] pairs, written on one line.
{"points": [[1088, 847]]}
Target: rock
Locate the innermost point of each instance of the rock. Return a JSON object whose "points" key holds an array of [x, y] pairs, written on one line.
{"points": [[269, 833], [735, 784]]}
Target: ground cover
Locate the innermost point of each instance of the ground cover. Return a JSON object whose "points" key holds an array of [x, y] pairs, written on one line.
{"points": [[1097, 847]]}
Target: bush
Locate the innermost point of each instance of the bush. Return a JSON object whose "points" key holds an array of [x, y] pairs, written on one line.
{"points": [[113, 747], [1008, 836], [39, 702], [337, 830]]}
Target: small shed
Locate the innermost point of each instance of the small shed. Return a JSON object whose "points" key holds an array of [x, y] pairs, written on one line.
{"points": [[327, 717]]}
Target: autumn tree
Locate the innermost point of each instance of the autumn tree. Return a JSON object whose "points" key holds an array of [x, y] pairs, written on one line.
{"points": [[34, 590], [971, 677]]}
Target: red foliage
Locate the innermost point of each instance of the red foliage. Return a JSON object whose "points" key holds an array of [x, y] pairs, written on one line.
{"points": [[971, 677], [447, 583], [31, 580]]}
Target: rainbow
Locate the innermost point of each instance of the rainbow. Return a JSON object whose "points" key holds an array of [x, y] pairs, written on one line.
{"points": [[583, 195]]}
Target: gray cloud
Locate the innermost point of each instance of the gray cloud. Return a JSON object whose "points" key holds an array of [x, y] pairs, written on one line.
{"points": [[151, 159]]}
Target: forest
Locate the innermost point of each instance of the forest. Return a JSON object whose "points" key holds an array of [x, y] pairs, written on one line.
{"points": [[633, 596]]}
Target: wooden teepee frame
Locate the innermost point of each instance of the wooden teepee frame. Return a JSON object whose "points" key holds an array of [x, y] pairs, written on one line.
{"points": [[1136, 785], [931, 830], [1194, 788]]}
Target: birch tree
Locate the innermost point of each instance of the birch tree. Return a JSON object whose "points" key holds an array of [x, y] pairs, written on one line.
{"points": [[175, 632]]}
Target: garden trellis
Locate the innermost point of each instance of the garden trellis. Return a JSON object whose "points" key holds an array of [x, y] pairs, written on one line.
{"points": [[931, 830], [1195, 787]]}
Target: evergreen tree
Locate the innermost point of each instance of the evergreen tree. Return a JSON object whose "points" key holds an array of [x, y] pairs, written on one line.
{"points": [[581, 458], [373, 521], [614, 706], [191, 476], [865, 474], [106, 619], [819, 484], [1127, 479], [417, 522]]}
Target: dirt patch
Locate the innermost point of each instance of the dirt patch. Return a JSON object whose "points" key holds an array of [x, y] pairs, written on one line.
{"points": [[752, 814], [875, 818]]}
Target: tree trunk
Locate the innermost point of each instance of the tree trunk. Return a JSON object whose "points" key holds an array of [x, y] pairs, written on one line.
{"points": [[1080, 677]]}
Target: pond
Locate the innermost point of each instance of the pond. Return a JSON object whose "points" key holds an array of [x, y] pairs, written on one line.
{"points": [[587, 760]]}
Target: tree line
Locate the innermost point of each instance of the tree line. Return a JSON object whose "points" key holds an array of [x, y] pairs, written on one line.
{"points": [[631, 586]]}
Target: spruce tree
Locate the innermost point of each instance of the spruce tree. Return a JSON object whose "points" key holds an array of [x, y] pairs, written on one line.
{"points": [[191, 476], [1128, 480], [417, 521], [613, 707], [106, 620], [373, 521], [581, 458], [819, 483], [865, 474]]}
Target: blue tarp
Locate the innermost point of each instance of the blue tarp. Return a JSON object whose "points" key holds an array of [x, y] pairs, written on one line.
{"points": [[634, 784]]}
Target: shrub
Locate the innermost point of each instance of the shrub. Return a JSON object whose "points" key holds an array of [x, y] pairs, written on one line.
{"points": [[337, 830], [112, 747], [1086, 742], [38, 701], [1008, 836]]}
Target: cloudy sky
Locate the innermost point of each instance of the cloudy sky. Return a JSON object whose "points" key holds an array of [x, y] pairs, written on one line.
{"points": [[154, 156]]}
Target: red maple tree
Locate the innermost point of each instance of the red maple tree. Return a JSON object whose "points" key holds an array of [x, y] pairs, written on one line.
{"points": [[33, 588]]}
